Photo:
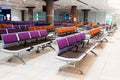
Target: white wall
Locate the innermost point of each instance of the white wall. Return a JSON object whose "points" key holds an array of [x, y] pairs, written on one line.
{"points": [[15, 15], [92, 16]]}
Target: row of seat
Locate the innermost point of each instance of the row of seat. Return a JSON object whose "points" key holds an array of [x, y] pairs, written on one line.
{"points": [[66, 43], [4, 25], [7, 31], [17, 42], [79, 25], [65, 30], [23, 36], [93, 32], [70, 51], [49, 28], [94, 25]]}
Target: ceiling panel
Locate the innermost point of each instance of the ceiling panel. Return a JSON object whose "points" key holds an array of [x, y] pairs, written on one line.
{"points": [[95, 5]]}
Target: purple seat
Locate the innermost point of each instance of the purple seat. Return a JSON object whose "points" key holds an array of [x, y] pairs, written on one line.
{"points": [[9, 38], [62, 43], [107, 27], [71, 40], [17, 27], [87, 27], [3, 31], [34, 34], [78, 37], [24, 36], [22, 27], [43, 33], [11, 30], [83, 36]]}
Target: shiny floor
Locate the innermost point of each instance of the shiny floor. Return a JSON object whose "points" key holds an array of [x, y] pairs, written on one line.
{"points": [[44, 66]]}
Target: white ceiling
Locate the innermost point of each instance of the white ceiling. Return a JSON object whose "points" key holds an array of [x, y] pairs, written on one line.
{"points": [[94, 5]]}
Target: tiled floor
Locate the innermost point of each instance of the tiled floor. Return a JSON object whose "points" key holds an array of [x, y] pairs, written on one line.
{"points": [[44, 66]]}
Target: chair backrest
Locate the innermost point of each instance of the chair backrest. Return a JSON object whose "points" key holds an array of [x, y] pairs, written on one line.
{"points": [[12, 30], [87, 26], [3, 31], [16, 27], [71, 39], [22, 27], [59, 30], [7, 27], [62, 43], [9, 38], [34, 34], [78, 37], [31, 28], [23, 36], [83, 36], [43, 33]]}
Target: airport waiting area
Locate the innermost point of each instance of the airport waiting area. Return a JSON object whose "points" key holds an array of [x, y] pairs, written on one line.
{"points": [[59, 40]]}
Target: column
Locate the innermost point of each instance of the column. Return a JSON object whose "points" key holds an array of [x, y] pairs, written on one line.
{"points": [[50, 11], [22, 15], [74, 15], [30, 13], [85, 15]]}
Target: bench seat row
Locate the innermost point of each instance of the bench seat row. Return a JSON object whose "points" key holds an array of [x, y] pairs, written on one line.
{"points": [[49, 28], [17, 42], [95, 31], [68, 48], [65, 30]]}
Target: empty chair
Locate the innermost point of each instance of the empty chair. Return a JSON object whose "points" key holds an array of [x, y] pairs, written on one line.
{"points": [[34, 34], [38, 27], [62, 45], [78, 37], [11, 44], [11, 30], [71, 40], [2, 31], [31, 28], [59, 31], [24, 36], [83, 36], [87, 27], [9, 38], [17, 27], [43, 33], [22, 27]]}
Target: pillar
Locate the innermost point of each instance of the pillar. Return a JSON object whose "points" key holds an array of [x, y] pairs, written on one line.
{"points": [[74, 15], [85, 18], [22, 15], [50, 11], [30, 13]]}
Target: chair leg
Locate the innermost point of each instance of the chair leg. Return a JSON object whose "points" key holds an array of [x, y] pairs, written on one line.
{"points": [[17, 56], [106, 39], [94, 53], [83, 44], [38, 51], [73, 65]]}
